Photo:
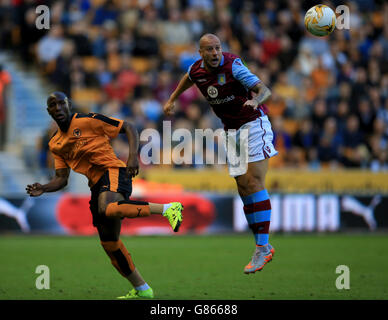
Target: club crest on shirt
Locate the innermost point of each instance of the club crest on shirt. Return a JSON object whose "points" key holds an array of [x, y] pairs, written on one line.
{"points": [[221, 79], [212, 92], [77, 132]]}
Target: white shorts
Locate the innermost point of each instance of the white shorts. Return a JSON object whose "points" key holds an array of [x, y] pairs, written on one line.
{"points": [[250, 143]]}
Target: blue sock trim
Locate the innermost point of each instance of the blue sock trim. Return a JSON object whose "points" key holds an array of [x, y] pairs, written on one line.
{"points": [[142, 287], [255, 197], [259, 216], [262, 239]]}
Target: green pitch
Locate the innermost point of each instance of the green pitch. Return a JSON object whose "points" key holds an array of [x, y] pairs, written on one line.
{"points": [[197, 267]]}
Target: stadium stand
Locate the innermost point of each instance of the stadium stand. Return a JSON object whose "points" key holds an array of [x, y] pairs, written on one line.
{"points": [[133, 53]]}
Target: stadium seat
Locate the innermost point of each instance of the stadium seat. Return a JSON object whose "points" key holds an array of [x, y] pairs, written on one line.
{"points": [[176, 49], [291, 126], [90, 63], [140, 64], [97, 3], [86, 96], [114, 63]]}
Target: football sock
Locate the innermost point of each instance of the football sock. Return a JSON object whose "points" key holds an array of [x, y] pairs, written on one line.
{"points": [[128, 209], [143, 287], [257, 209], [166, 206], [119, 256]]}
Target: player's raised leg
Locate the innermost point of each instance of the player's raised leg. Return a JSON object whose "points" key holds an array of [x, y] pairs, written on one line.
{"points": [[109, 232], [133, 209], [257, 209]]}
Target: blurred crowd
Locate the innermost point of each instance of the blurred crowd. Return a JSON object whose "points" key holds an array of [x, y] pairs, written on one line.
{"points": [[329, 105]]}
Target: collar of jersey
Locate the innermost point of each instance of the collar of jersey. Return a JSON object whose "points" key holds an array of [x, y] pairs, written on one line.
{"points": [[221, 63]]}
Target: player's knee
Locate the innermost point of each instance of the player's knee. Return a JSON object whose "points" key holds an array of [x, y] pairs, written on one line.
{"points": [[250, 184]]}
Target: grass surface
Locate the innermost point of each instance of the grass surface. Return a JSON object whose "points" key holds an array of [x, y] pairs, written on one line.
{"points": [[197, 267]]}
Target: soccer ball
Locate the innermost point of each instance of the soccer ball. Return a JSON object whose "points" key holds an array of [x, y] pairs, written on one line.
{"points": [[320, 20]]}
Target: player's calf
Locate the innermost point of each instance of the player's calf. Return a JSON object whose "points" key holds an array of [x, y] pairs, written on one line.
{"points": [[119, 256], [128, 209]]}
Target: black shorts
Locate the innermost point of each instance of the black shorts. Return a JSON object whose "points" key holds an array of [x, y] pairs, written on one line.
{"points": [[115, 180]]}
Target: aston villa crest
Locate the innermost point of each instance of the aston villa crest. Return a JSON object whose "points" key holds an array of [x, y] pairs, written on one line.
{"points": [[221, 79]]}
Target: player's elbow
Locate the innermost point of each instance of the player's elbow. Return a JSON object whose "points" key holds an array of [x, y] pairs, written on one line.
{"points": [[62, 183], [265, 92], [65, 182]]}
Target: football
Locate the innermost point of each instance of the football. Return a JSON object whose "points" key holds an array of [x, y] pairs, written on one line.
{"points": [[320, 20]]}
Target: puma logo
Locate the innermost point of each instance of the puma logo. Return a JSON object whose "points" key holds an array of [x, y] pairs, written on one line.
{"points": [[354, 206]]}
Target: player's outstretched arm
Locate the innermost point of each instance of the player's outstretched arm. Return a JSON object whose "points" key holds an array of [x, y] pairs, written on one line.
{"points": [[57, 183], [133, 141], [263, 94], [183, 85]]}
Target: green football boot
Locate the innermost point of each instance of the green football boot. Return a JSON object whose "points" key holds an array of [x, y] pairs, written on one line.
{"points": [[174, 215], [138, 294]]}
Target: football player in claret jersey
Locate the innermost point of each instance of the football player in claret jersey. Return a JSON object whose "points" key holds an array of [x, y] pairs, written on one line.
{"points": [[227, 84], [82, 143]]}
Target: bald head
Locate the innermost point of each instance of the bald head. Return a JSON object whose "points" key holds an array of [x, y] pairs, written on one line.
{"points": [[210, 50], [208, 38], [56, 95]]}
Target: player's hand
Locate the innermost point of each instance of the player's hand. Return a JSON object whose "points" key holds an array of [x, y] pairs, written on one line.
{"points": [[251, 103], [132, 166], [168, 108], [35, 190]]}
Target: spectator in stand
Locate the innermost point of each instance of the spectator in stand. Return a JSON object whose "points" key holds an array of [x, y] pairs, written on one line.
{"points": [[305, 139], [175, 31], [146, 43], [329, 143], [286, 91], [51, 45], [282, 142], [366, 115], [383, 115], [378, 146], [61, 75], [107, 11], [319, 115], [353, 143], [341, 115]]}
